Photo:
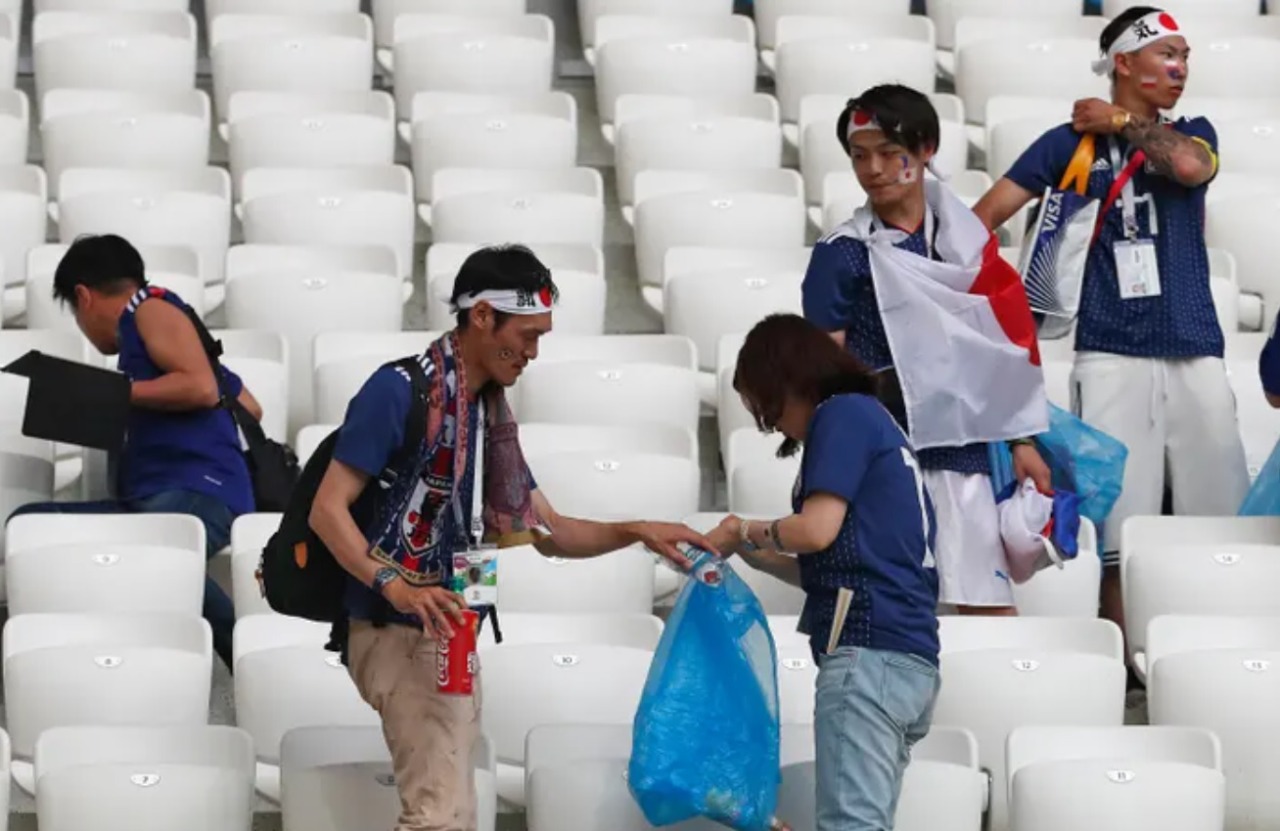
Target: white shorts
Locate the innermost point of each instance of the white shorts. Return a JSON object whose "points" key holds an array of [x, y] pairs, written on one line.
{"points": [[1175, 414], [972, 570]]}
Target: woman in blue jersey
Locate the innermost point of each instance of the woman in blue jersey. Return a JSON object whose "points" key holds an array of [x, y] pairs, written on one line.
{"points": [[862, 529]]}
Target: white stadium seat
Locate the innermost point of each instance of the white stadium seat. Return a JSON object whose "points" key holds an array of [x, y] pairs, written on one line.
{"points": [[1222, 576], [137, 50], [531, 685], [151, 207], [1225, 690], [620, 583], [142, 669], [696, 67], [839, 64], [723, 143], [611, 486], [365, 205], [284, 679], [610, 628], [488, 55], [125, 777], [294, 53], [1054, 67], [109, 128], [316, 140], [340, 778], [303, 304]]}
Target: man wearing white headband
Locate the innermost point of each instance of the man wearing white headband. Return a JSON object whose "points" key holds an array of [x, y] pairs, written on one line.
{"points": [[1148, 367], [442, 506], [866, 297]]}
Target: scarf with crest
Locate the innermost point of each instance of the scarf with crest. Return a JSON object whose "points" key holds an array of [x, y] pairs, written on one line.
{"points": [[423, 551]]}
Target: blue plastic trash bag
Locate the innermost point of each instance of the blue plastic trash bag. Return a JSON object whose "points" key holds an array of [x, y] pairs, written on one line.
{"points": [[1083, 460], [1263, 498], [705, 738]]}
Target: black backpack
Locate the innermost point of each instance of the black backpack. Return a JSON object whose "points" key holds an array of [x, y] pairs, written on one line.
{"points": [[273, 466], [300, 576]]}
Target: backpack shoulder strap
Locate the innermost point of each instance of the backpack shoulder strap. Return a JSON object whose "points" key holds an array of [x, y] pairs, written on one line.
{"points": [[415, 422], [254, 435]]}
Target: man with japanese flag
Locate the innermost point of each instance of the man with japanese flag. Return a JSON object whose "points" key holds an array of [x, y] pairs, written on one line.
{"points": [[913, 286]]}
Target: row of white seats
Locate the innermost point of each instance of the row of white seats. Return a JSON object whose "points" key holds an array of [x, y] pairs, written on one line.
{"points": [[1200, 573], [513, 54], [340, 779], [997, 685]]}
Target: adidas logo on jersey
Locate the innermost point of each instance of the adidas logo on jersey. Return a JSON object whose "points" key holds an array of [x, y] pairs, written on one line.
{"points": [[1100, 165]]}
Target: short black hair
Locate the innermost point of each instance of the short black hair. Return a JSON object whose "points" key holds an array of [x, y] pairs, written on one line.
{"points": [[1121, 22], [906, 115], [103, 262], [499, 267]]}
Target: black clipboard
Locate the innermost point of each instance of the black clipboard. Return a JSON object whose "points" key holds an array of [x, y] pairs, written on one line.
{"points": [[73, 403]]}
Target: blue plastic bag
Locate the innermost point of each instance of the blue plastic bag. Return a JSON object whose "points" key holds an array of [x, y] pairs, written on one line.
{"points": [[1083, 460], [1263, 498], [706, 734]]}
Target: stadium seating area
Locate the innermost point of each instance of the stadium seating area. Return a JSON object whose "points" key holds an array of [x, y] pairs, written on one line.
{"points": [[310, 173]]}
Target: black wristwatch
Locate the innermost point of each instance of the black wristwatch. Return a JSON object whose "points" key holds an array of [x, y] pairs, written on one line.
{"points": [[382, 578]]}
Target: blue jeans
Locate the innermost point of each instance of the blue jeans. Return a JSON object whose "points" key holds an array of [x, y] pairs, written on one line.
{"points": [[216, 518], [871, 707]]}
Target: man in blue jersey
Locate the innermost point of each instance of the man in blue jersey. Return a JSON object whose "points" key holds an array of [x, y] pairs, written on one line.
{"points": [[891, 133], [465, 489], [182, 450], [1149, 349]]}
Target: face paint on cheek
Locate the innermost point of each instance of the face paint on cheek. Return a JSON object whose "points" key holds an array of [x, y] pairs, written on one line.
{"points": [[1174, 70], [908, 174], [1149, 82]]}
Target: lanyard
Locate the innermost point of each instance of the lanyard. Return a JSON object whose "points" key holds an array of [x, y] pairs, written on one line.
{"points": [[1122, 187], [473, 525]]}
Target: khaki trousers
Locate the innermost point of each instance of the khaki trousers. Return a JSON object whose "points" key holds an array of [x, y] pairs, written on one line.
{"points": [[431, 735]]}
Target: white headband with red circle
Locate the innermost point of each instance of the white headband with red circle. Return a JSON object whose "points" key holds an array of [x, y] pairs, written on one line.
{"points": [[1143, 32], [512, 301]]}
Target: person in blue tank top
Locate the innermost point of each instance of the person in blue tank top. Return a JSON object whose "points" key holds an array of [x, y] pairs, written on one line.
{"points": [[862, 532], [182, 448]]}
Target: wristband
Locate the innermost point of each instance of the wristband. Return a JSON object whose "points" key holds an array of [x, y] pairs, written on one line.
{"points": [[1021, 443], [744, 536]]}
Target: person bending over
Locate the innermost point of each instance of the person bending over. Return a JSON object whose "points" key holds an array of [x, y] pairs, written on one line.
{"points": [[862, 525], [182, 448], [400, 568]]}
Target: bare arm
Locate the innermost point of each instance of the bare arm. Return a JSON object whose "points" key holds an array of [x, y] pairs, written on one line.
{"points": [[574, 538], [437, 607], [172, 343], [332, 521], [812, 530], [1184, 159], [250, 403], [786, 569], [1000, 203]]}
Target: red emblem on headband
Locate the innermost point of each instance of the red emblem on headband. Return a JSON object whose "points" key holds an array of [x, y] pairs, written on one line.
{"points": [[1167, 21], [544, 296], [861, 118]]}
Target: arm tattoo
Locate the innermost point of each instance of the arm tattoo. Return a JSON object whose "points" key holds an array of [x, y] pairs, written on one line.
{"points": [[1162, 145]]}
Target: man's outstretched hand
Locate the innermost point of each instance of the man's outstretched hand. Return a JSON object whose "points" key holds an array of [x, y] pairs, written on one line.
{"points": [[662, 538]]}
